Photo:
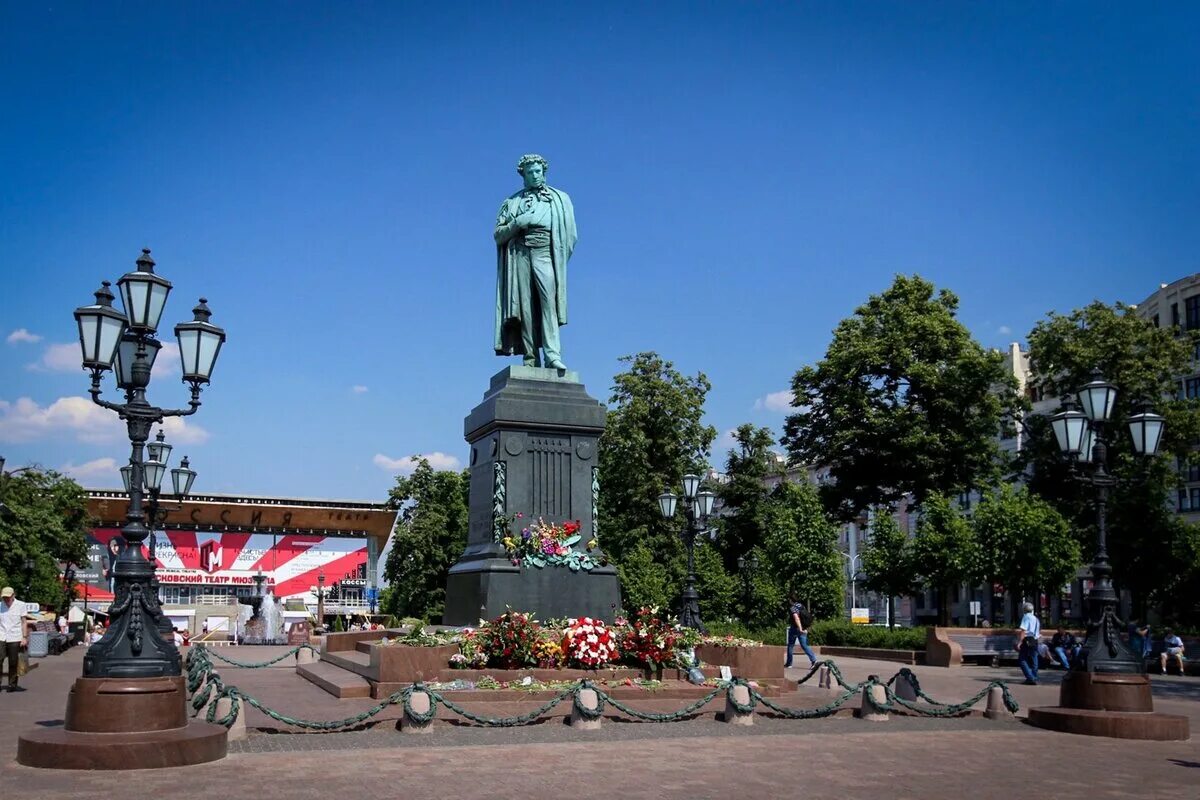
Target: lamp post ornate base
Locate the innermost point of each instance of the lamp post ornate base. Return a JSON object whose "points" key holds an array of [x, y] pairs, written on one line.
{"points": [[124, 723]]}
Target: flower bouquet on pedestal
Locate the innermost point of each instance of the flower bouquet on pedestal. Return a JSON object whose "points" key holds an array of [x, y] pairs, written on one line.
{"points": [[589, 643], [545, 544]]}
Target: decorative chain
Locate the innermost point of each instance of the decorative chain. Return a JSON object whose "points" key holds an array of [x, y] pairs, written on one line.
{"points": [[200, 670]]}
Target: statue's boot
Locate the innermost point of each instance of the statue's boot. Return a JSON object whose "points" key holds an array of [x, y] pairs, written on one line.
{"points": [[556, 363]]}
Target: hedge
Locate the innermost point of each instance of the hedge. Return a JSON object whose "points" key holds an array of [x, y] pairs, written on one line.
{"points": [[832, 633]]}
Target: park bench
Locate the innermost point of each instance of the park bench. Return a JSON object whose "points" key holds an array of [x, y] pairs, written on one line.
{"points": [[948, 647], [1191, 655], [56, 642]]}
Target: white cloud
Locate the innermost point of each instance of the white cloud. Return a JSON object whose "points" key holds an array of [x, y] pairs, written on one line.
{"points": [[59, 358], [166, 363], [359, 389], [405, 466], [22, 336], [775, 401], [1004, 330], [25, 420], [102, 470], [726, 441]]}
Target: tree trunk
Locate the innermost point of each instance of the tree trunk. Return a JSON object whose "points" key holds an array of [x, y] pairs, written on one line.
{"points": [[943, 612], [891, 611]]}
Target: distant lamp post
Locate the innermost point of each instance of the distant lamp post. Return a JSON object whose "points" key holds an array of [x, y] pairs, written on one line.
{"points": [[321, 600], [69, 588], [128, 342], [698, 507], [30, 566], [1080, 432], [850, 561], [747, 567]]}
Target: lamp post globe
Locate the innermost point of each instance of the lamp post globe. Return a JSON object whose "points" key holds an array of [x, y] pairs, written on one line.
{"points": [[1145, 428]]}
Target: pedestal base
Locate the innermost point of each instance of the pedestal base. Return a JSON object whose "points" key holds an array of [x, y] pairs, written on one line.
{"points": [[124, 723], [58, 748], [484, 589], [1117, 705]]}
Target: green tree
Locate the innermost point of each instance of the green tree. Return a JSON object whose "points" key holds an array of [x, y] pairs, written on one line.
{"points": [[430, 534], [800, 550], [887, 561], [1145, 363], [644, 581], [905, 402], [44, 517], [944, 550], [655, 435], [745, 493], [718, 589], [1024, 543]]}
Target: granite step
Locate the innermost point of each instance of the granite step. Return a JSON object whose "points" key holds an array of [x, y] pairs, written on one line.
{"points": [[335, 680], [352, 661]]}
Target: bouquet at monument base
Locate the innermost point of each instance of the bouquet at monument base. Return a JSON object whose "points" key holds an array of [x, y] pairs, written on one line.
{"points": [[543, 544], [589, 642]]}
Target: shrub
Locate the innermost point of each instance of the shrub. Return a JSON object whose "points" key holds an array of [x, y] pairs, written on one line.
{"points": [[832, 633], [508, 640]]}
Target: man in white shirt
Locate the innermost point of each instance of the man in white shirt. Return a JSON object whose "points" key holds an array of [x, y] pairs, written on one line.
{"points": [[1027, 644], [12, 634]]}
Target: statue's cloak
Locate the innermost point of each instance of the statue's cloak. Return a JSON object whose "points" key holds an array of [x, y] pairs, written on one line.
{"points": [[514, 308]]}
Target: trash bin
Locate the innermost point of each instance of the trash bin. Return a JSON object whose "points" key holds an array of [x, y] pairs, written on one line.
{"points": [[39, 644]]}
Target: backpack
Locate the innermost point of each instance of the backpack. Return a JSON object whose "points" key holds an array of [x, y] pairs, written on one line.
{"points": [[805, 615]]}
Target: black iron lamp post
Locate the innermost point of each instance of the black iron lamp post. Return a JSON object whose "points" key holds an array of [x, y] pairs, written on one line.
{"points": [[699, 507], [68, 588], [30, 566], [321, 600], [153, 471], [1081, 436], [746, 568], [129, 339]]}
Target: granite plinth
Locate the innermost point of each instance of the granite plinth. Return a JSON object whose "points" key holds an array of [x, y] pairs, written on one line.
{"points": [[124, 723], [533, 445], [1116, 705]]}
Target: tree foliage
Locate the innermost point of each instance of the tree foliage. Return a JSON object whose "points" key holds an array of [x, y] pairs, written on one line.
{"points": [[800, 550], [644, 581], [655, 435], [887, 560], [1024, 543], [1146, 541], [945, 552], [905, 401], [45, 518], [745, 493], [430, 534]]}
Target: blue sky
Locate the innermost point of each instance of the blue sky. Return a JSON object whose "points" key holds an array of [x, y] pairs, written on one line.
{"points": [[744, 175]]}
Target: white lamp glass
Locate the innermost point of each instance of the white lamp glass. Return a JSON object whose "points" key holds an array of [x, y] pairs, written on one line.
{"points": [[100, 329], [126, 476], [159, 450], [182, 478], [1146, 427], [1069, 427], [152, 474], [666, 505], [691, 483], [706, 500], [199, 344], [1098, 398]]}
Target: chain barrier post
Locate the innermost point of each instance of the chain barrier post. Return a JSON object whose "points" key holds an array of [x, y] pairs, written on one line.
{"points": [[739, 703], [875, 702], [586, 708], [305, 655], [419, 711], [996, 707], [906, 689], [237, 727]]}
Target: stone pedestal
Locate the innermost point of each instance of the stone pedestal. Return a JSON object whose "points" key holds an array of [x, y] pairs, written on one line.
{"points": [[533, 450], [1116, 705], [591, 701], [124, 723]]}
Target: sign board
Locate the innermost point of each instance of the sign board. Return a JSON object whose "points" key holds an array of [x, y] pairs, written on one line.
{"points": [[298, 633], [726, 673], [975, 608], [860, 616]]}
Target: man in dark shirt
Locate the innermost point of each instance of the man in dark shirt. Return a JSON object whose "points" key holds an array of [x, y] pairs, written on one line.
{"points": [[798, 619], [1064, 646]]}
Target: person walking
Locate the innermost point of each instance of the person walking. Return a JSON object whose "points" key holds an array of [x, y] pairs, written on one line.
{"points": [[799, 618], [12, 635], [1027, 645]]}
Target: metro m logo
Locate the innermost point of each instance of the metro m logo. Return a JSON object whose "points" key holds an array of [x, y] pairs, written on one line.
{"points": [[210, 556]]}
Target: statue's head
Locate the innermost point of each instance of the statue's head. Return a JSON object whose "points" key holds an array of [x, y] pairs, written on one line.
{"points": [[533, 169]]}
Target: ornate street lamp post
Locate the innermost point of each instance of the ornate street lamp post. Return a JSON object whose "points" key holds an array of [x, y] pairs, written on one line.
{"points": [[129, 709], [1106, 692], [1081, 436], [30, 566], [698, 507], [321, 601], [129, 339], [154, 469], [747, 567]]}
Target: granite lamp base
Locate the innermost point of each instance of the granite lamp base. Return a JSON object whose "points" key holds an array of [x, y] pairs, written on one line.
{"points": [[1116, 705], [124, 723]]}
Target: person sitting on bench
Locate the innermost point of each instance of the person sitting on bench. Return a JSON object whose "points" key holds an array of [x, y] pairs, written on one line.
{"points": [[1172, 648]]}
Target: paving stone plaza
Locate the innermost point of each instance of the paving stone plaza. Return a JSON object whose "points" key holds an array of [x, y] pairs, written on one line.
{"points": [[839, 756]]}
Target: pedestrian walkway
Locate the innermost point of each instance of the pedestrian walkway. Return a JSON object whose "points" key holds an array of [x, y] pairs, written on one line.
{"points": [[841, 757]]}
